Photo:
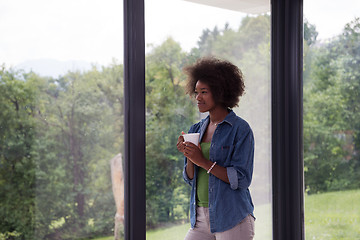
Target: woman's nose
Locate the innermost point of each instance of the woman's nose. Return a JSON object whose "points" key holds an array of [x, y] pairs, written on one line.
{"points": [[198, 96]]}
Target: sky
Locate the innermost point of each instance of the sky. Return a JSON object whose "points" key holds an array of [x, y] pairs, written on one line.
{"points": [[92, 30]]}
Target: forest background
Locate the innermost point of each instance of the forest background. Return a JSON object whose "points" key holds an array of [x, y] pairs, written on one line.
{"points": [[57, 135]]}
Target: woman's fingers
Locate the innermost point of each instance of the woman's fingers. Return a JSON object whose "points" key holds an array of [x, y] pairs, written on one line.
{"points": [[187, 148], [190, 149], [180, 144], [190, 145]]}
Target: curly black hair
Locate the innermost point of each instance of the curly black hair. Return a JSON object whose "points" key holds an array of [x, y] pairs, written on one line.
{"points": [[225, 80]]}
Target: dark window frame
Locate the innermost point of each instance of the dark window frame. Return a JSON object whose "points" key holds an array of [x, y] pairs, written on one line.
{"points": [[287, 119], [287, 114], [134, 117]]}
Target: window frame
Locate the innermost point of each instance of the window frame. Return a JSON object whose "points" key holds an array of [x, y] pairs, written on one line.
{"points": [[287, 116], [134, 118], [287, 119]]}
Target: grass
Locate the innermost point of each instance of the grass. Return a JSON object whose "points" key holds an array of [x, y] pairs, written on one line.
{"points": [[333, 216], [177, 232], [105, 238], [330, 216]]}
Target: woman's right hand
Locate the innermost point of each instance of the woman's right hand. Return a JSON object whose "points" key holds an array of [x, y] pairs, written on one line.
{"points": [[181, 147], [180, 144]]}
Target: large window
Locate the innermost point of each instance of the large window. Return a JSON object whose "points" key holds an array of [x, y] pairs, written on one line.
{"points": [[191, 31], [61, 119], [331, 119], [60, 126]]}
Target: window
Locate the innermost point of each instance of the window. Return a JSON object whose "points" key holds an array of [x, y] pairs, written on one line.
{"points": [[26, 125], [61, 117], [193, 30], [331, 125], [286, 108]]}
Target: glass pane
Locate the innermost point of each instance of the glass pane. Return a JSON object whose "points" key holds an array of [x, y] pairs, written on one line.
{"points": [[61, 119], [177, 34], [331, 119]]}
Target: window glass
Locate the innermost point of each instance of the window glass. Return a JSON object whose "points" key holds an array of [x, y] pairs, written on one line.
{"points": [[331, 119], [178, 33], [61, 119]]}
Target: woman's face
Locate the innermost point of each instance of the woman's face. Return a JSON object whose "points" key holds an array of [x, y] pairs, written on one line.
{"points": [[204, 97]]}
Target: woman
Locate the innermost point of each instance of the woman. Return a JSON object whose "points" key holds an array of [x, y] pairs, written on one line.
{"points": [[219, 170]]}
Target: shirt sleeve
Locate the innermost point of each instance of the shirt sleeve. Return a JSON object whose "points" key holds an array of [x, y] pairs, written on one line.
{"points": [[241, 169], [185, 176]]}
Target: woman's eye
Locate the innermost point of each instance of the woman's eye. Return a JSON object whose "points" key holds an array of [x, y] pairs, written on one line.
{"points": [[202, 92]]}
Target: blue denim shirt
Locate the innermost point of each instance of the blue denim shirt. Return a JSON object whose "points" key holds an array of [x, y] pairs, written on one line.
{"points": [[232, 147]]}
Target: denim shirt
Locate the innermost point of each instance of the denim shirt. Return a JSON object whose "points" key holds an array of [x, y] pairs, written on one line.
{"points": [[232, 147]]}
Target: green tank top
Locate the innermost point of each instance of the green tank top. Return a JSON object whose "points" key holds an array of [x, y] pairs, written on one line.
{"points": [[202, 190]]}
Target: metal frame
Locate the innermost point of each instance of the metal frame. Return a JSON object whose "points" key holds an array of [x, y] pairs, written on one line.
{"points": [[287, 119], [287, 167], [134, 92]]}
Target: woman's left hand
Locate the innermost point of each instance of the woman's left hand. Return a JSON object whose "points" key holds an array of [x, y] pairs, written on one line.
{"points": [[194, 154]]}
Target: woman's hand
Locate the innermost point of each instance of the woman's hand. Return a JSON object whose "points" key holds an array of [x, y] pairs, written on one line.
{"points": [[194, 154], [190, 150], [180, 144], [190, 165]]}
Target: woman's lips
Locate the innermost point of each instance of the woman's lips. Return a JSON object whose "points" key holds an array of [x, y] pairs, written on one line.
{"points": [[200, 105]]}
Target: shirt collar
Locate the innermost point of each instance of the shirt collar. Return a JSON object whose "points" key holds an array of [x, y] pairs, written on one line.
{"points": [[230, 119]]}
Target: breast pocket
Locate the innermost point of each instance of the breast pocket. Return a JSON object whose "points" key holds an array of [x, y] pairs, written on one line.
{"points": [[225, 154]]}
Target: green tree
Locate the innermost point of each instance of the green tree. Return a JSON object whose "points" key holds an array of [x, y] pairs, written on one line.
{"points": [[310, 33], [207, 39], [168, 112], [17, 170], [331, 114], [57, 137], [81, 130], [310, 36]]}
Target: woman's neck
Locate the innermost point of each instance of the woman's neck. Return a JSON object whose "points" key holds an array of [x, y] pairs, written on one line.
{"points": [[217, 115]]}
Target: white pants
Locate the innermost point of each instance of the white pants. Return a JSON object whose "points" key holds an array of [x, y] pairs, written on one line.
{"points": [[245, 230]]}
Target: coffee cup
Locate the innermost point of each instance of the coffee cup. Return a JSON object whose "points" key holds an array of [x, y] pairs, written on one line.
{"points": [[192, 137]]}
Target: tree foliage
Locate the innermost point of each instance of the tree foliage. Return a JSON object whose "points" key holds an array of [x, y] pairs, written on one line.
{"points": [[331, 114], [168, 112], [17, 172], [58, 136]]}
